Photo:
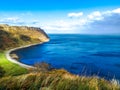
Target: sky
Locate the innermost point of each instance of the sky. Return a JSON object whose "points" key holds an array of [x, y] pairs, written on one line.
{"points": [[63, 16]]}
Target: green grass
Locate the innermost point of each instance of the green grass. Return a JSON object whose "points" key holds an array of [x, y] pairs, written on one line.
{"points": [[9, 67], [55, 80]]}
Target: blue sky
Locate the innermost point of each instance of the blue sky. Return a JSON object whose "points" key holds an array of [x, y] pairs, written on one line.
{"points": [[48, 5], [64, 16]]}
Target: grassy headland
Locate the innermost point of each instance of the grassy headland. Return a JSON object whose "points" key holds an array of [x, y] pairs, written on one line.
{"points": [[18, 78], [15, 36]]}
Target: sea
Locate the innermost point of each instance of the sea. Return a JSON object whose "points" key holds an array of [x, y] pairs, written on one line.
{"points": [[85, 55]]}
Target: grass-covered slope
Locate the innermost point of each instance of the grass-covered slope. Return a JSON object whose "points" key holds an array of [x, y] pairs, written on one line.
{"points": [[14, 36], [10, 68], [55, 80]]}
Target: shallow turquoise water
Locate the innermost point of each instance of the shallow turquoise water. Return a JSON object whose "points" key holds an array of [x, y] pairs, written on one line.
{"points": [[79, 54]]}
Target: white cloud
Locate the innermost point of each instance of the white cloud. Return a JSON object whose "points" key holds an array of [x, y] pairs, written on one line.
{"points": [[19, 21], [95, 16], [108, 24], [59, 25], [9, 19], [12, 20], [116, 10], [75, 14], [95, 22], [78, 23]]}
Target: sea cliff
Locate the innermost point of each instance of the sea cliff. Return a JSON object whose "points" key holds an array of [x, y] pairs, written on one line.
{"points": [[15, 36]]}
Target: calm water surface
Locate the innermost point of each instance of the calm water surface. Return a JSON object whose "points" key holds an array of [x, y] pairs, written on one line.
{"points": [[79, 54]]}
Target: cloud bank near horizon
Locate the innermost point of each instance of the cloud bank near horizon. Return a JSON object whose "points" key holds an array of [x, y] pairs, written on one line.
{"points": [[96, 22]]}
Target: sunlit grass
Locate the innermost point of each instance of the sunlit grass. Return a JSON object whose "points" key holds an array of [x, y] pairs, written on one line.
{"points": [[9, 67], [55, 80]]}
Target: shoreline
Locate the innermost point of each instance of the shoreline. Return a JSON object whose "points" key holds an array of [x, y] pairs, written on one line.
{"points": [[9, 58]]}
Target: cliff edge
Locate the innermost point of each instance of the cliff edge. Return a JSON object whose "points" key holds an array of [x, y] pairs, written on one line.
{"points": [[14, 36]]}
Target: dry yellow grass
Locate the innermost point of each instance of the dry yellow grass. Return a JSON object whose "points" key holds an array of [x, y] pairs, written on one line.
{"points": [[55, 80]]}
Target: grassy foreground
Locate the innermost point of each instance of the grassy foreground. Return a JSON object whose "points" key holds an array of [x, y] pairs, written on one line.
{"points": [[9, 67], [55, 80]]}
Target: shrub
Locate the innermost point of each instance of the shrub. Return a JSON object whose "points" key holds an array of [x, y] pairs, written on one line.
{"points": [[42, 67], [25, 38]]}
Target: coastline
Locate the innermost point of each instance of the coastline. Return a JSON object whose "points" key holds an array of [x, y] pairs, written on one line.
{"points": [[17, 62]]}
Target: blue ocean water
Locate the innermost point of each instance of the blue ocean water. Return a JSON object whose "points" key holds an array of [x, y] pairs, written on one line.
{"points": [[79, 54]]}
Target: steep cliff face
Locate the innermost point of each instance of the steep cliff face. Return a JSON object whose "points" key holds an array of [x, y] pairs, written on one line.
{"points": [[13, 36]]}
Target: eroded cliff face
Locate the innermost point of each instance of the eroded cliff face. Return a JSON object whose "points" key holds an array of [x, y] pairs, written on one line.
{"points": [[13, 36]]}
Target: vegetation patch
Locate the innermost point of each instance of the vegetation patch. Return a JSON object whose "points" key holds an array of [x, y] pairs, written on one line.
{"points": [[55, 80], [25, 38], [9, 67]]}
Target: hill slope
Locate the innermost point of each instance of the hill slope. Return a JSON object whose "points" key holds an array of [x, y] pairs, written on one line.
{"points": [[14, 36], [55, 80]]}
